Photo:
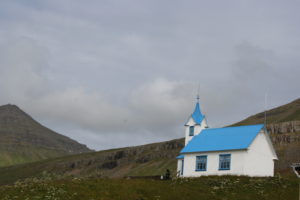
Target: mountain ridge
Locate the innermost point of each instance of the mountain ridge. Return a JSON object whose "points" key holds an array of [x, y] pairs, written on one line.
{"points": [[23, 139], [283, 113]]}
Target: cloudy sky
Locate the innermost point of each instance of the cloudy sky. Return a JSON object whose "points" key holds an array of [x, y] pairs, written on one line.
{"points": [[118, 73]]}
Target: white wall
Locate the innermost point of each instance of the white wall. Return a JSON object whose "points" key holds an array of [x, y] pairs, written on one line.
{"points": [[179, 163], [212, 168], [260, 157]]}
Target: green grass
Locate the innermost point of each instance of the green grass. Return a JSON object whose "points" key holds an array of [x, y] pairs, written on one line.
{"points": [[210, 188], [155, 167], [26, 154]]}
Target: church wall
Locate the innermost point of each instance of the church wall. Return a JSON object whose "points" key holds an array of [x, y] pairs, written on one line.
{"points": [[212, 168], [260, 157], [179, 164]]}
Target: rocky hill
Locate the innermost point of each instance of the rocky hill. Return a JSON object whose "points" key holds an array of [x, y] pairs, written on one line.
{"points": [[22, 139], [151, 159]]}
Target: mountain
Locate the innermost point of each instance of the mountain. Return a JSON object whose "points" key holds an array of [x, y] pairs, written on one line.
{"points": [[22, 139], [154, 159], [284, 113]]}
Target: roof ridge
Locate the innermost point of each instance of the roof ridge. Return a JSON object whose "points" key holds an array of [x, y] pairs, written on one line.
{"points": [[234, 126]]}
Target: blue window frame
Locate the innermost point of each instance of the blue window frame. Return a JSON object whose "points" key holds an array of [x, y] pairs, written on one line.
{"points": [[201, 162], [192, 130], [224, 161]]}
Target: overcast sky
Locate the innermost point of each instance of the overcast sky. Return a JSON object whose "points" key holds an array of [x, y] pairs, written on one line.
{"points": [[119, 73]]}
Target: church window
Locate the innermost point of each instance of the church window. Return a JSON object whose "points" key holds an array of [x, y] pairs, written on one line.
{"points": [[191, 131], [224, 161], [201, 163]]}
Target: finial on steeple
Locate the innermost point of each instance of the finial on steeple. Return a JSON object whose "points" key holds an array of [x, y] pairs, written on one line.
{"points": [[198, 96]]}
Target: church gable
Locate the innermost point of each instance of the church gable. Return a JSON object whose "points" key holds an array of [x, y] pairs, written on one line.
{"points": [[262, 144]]}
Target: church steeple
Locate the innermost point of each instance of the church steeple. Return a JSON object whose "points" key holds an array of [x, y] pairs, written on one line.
{"points": [[196, 123], [197, 115]]}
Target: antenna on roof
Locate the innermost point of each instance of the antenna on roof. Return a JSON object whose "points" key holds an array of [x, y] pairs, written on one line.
{"points": [[265, 117]]}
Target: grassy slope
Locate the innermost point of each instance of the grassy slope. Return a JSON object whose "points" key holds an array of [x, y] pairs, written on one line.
{"points": [[212, 188], [22, 139], [26, 154], [91, 164], [287, 112], [151, 159]]}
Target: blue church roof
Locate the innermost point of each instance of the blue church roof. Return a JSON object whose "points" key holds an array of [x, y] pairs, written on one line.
{"points": [[197, 115], [222, 139]]}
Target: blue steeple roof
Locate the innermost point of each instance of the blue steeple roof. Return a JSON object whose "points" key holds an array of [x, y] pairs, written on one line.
{"points": [[197, 115]]}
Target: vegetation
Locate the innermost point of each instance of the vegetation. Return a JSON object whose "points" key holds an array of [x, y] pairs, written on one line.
{"points": [[212, 188], [145, 160]]}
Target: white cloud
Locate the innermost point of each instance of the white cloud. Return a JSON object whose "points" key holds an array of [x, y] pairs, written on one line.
{"points": [[21, 69], [151, 109], [110, 74]]}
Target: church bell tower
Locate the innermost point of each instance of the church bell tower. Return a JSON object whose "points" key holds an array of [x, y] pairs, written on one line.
{"points": [[195, 124]]}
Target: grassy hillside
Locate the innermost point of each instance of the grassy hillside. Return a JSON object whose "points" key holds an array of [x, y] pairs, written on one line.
{"points": [[151, 159], [22, 139], [285, 113], [212, 188], [145, 160], [27, 153]]}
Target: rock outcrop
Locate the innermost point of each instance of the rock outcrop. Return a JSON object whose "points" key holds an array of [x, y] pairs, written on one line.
{"points": [[284, 127]]}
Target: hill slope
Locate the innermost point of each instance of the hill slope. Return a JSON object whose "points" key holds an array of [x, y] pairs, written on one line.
{"points": [[151, 159], [284, 113], [22, 139], [144, 160]]}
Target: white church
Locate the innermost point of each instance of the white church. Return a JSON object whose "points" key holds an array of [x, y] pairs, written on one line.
{"points": [[239, 150]]}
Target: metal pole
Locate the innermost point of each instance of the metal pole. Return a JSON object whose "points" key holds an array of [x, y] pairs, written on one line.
{"points": [[265, 118]]}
